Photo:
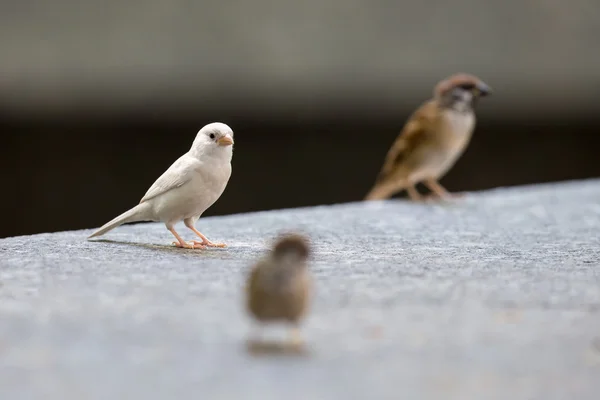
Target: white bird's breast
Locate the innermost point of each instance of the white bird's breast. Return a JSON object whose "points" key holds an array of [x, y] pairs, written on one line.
{"points": [[211, 182], [206, 185]]}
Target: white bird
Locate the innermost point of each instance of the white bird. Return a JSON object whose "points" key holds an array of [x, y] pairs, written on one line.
{"points": [[188, 188]]}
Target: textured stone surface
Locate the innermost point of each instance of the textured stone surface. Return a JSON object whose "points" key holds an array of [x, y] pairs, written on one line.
{"points": [[496, 296]]}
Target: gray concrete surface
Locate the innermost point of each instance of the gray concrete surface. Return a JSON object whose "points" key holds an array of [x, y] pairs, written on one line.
{"points": [[496, 296]]}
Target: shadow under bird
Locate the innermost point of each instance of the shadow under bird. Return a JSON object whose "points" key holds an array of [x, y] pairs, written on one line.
{"points": [[432, 140], [188, 188], [279, 285]]}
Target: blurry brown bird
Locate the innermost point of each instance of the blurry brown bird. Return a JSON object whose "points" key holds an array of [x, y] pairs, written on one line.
{"points": [[434, 137], [278, 287]]}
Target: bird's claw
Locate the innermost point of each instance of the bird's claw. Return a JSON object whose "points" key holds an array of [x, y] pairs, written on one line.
{"points": [[191, 245], [209, 244], [432, 198], [436, 198], [296, 339]]}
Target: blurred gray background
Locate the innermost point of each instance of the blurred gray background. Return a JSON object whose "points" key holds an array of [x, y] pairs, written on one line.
{"points": [[97, 99]]}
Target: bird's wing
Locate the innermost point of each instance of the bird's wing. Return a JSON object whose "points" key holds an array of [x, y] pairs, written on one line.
{"points": [[416, 132], [178, 174]]}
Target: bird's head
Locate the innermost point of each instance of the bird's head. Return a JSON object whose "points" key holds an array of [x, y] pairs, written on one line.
{"points": [[460, 91], [291, 246], [213, 138]]}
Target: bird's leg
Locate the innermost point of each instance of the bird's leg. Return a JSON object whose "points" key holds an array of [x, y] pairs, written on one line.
{"points": [[181, 243], [439, 189], [205, 241], [413, 193], [296, 336]]}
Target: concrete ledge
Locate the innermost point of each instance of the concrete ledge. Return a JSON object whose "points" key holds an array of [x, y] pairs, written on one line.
{"points": [[494, 297]]}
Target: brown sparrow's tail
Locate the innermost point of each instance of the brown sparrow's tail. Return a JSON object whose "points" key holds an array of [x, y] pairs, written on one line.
{"points": [[383, 190], [137, 213]]}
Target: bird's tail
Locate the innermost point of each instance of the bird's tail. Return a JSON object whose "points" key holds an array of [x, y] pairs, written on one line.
{"points": [[137, 213], [383, 190]]}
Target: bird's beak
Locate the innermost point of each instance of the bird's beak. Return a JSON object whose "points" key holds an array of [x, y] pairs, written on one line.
{"points": [[225, 140], [482, 90]]}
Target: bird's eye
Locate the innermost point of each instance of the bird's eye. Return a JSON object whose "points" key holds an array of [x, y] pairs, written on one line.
{"points": [[212, 135], [467, 86]]}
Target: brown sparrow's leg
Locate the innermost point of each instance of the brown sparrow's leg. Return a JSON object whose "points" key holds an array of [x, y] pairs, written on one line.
{"points": [[439, 189], [413, 193], [296, 336], [205, 241], [181, 243]]}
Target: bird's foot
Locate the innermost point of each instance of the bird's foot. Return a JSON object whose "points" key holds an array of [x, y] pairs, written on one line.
{"points": [[424, 198], [208, 243], [434, 197], [191, 245], [296, 338], [453, 196]]}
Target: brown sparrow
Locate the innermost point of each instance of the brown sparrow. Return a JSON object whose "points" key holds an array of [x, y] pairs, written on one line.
{"points": [[278, 287], [434, 137]]}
